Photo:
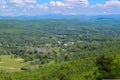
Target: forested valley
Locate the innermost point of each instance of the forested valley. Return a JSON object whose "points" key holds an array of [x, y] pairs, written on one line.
{"points": [[60, 49]]}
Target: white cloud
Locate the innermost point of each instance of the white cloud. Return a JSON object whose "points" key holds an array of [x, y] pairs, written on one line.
{"points": [[80, 2], [22, 1], [74, 7], [112, 3], [57, 4], [109, 7]]}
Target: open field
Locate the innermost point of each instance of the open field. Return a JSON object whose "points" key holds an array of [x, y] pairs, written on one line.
{"points": [[8, 63]]}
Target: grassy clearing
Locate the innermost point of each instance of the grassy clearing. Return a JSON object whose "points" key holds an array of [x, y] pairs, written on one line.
{"points": [[8, 63]]}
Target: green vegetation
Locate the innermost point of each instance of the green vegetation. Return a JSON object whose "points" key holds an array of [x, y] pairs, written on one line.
{"points": [[59, 49], [106, 68]]}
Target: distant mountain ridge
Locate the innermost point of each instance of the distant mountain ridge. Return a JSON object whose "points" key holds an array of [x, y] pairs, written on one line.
{"points": [[58, 17], [43, 17]]}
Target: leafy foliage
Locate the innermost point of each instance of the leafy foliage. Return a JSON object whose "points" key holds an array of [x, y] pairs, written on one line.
{"points": [[106, 67], [71, 49]]}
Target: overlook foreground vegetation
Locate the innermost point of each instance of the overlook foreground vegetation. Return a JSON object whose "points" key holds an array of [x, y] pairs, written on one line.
{"points": [[60, 49]]}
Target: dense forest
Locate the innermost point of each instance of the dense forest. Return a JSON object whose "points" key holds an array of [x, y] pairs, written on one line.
{"points": [[60, 49]]}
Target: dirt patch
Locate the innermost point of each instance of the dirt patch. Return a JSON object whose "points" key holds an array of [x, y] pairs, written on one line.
{"points": [[19, 59], [2, 62], [11, 68]]}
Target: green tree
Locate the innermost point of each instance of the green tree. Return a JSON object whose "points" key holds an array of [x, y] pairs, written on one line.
{"points": [[106, 68]]}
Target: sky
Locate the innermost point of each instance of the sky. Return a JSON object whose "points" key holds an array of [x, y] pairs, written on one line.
{"points": [[58, 7]]}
